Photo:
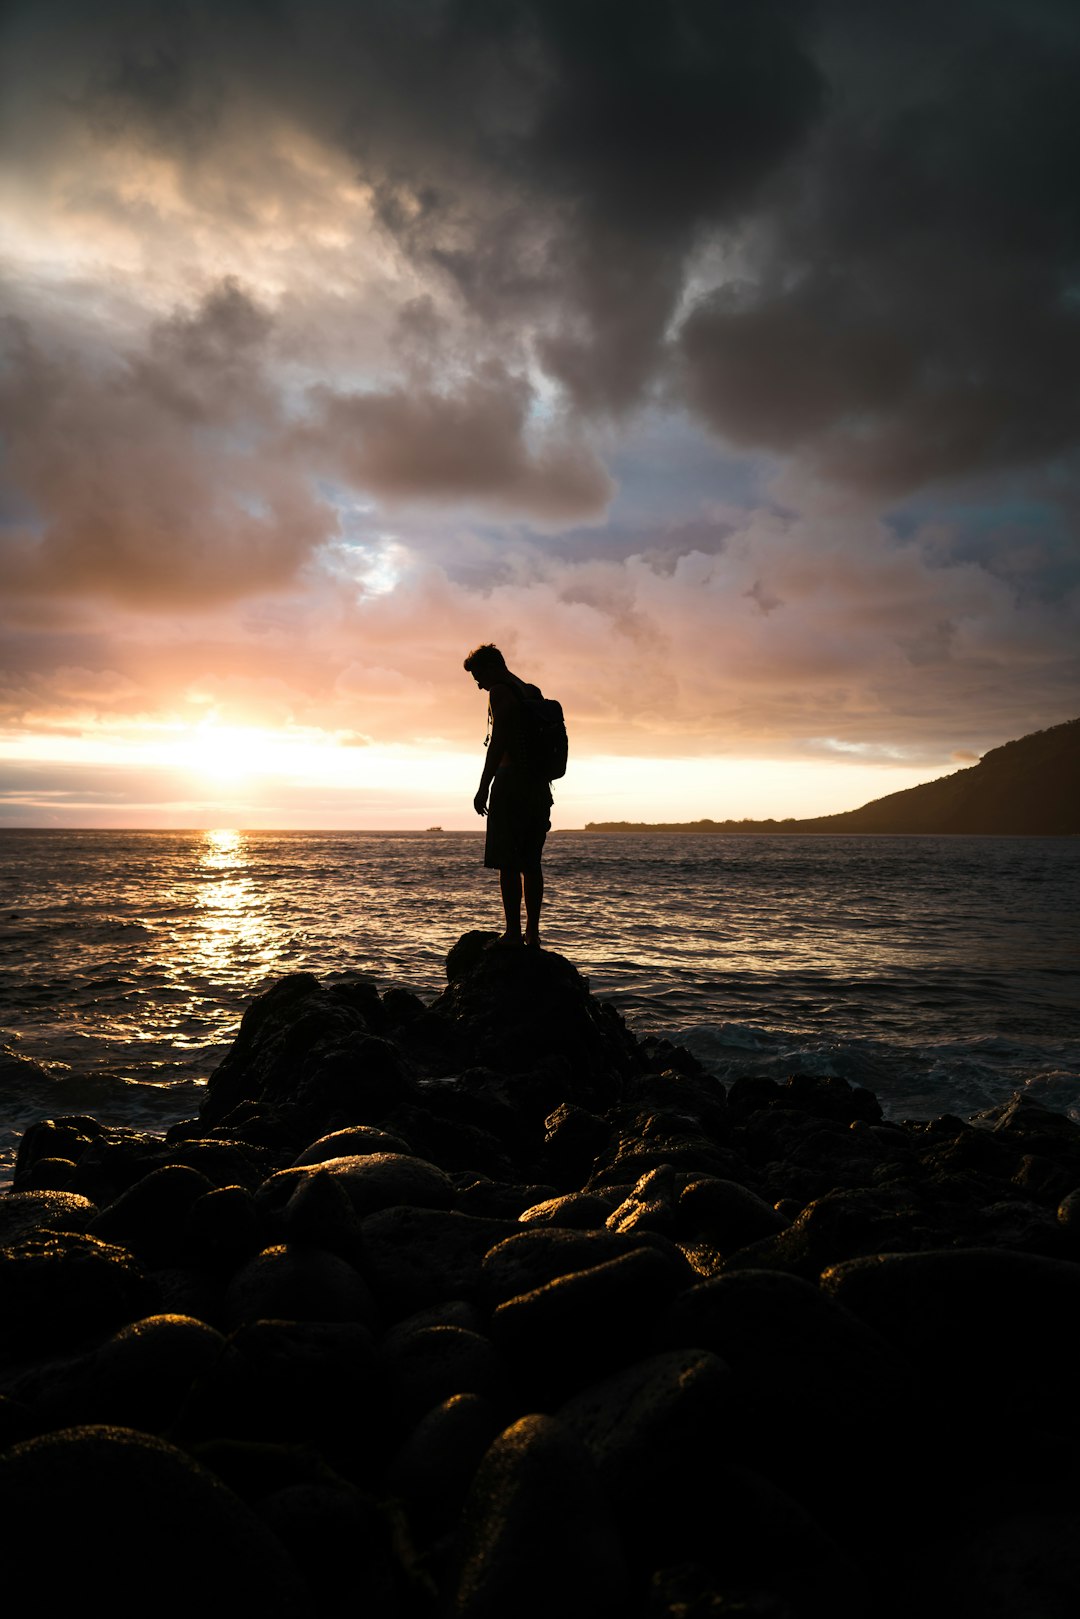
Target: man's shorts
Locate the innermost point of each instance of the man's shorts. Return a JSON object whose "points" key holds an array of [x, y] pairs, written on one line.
{"points": [[518, 821]]}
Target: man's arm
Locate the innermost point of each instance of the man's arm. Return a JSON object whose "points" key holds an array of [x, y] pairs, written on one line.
{"points": [[501, 709]]}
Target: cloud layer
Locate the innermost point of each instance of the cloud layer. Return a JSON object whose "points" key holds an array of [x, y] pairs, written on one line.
{"points": [[721, 360]]}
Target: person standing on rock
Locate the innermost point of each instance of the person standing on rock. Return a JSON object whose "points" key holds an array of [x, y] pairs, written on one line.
{"points": [[513, 795]]}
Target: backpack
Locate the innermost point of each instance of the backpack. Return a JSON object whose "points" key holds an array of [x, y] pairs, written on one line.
{"points": [[545, 732]]}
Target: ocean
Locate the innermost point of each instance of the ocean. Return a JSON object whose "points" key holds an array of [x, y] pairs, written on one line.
{"points": [[942, 972]]}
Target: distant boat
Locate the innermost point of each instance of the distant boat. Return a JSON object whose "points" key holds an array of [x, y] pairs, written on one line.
{"points": [[433, 829]]}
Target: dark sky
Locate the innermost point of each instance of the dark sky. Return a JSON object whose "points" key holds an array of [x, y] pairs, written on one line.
{"points": [[720, 360]]}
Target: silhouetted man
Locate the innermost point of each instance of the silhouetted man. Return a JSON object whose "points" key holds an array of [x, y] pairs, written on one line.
{"points": [[513, 795]]}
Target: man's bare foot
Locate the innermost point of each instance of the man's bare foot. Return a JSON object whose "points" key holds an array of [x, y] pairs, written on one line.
{"points": [[506, 941], [532, 938]]}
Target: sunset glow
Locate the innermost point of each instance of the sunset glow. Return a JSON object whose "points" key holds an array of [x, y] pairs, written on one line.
{"points": [[334, 351]]}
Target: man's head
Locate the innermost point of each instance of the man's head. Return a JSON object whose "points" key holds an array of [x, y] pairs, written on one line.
{"points": [[485, 664]]}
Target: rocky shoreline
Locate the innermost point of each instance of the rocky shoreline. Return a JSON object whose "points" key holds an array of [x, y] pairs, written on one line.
{"points": [[487, 1309]]}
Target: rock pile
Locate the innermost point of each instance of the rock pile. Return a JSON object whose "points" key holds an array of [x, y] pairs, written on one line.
{"points": [[488, 1310]]}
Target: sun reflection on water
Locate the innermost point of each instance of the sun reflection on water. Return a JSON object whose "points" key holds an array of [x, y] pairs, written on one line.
{"points": [[233, 933]]}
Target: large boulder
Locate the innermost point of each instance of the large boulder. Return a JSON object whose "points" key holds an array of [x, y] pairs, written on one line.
{"points": [[145, 1523], [538, 1537], [313, 1049], [58, 1288], [524, 1010]]}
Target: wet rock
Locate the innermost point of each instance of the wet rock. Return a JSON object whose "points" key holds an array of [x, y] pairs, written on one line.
{"points": [[652, 1205], [340, 1542], [690, 1589], [320, 1213], [57, 1288], [1041, 1177], [841, 1225], [148, 1518], [138, 1378], [812, 1379], [563, 1334], [431, 1364], [319, 1384], [65, 1138], [414, 1258], [294, 1281], [195, 1290], [149, 1218], [1015, 1222], [750, 1533], [310, 1047], [537, 1536], [496, 1200], [646, 1139], [432, 1471], [221, 1228], [725, 1214], [1068, 1215], [49, 1174], [516, 1007], [448, 1130], [401, 1006], [981, 1319], [1034, 1126], [44, 1210], [648, 1421], [451, 1313], [574, 1211], [351, 1143], [1020, 1565], [385, 1180], [572, 1139]]}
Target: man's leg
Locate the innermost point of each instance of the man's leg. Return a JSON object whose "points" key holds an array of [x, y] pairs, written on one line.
{"points": [[510, 888], [532, 883]]}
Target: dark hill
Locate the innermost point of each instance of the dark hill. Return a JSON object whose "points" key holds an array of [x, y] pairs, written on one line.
{"points": [[1028, 786]]}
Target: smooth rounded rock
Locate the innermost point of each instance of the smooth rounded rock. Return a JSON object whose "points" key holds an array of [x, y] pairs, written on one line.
{"points": [[431, 1364], [562, 1335], [221, 1228], [138, 1378], [573, 1211], [49, 1174], [340, 1543], [654, 1417], [149, 1217], [58, 1288], [45, 1209], [296, 1282], [531, 1258], [160, 1532], [432, 1471], [537, 1536], [316, 1381], [985, 1319], [320, 1212], [416, 1258], [356, 1141], [726, 1214], [383, 1180]]}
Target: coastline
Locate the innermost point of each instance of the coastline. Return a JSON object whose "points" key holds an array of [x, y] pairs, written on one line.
{"points": [[548, 1318]]}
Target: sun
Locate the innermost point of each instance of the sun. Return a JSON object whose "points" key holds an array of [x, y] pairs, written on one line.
{"points": [[229, 753]]}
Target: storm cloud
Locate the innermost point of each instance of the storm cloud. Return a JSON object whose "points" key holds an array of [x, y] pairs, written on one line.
{"points": [[737, 342]]}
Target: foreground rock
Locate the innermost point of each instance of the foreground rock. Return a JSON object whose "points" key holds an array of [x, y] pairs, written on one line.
{"points": [[486, 1308]]}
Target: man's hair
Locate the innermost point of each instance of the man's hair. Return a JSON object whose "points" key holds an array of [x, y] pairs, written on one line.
{"points": [[485, 660]]}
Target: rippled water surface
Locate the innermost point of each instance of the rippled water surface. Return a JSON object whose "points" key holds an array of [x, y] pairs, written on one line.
{"points": [[942, 972]]}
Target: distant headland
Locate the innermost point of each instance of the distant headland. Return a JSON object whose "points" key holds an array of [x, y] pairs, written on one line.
{"points": [[1027, 787]]}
